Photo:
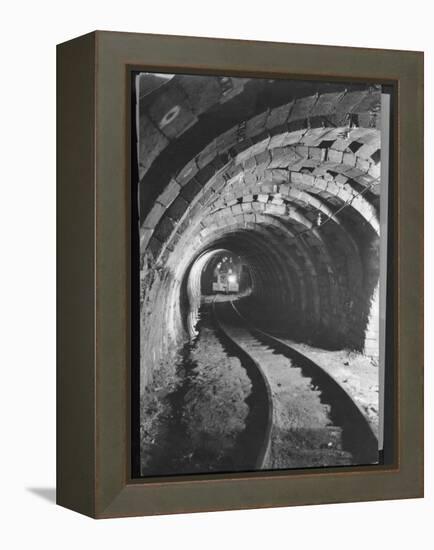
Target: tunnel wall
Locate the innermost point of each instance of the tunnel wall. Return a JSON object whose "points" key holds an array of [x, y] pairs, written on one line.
{"points": [[162, 332], [259, 189], [372, 331]]}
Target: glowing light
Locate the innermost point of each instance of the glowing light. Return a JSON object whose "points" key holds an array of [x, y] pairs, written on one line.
{"points": [[232, 279]]}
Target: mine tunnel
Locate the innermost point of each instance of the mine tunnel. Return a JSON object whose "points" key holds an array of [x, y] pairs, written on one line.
{"points": [[282, 176]]}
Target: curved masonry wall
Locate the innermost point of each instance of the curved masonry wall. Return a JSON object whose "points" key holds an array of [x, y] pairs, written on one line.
{"points": [[294, 191]]}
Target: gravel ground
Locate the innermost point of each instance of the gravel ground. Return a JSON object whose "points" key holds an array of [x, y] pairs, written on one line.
{"points": [[357, 374], [215, 408], [193, 424], [195, 413], [302, 431]]}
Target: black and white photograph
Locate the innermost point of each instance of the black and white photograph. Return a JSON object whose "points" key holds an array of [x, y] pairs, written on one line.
{"points": [[261, 206], [216, 226]]}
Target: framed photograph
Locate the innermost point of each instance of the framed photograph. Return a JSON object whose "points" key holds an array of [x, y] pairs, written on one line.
{"points": [[240, 274]]}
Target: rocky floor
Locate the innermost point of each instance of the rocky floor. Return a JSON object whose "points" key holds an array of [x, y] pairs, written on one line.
{"points": [[199, 421], [302, 433], [196, 414], [356, 373]]}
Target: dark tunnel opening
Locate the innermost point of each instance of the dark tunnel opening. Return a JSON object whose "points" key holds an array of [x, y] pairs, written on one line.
{"points": [[301, 287]]}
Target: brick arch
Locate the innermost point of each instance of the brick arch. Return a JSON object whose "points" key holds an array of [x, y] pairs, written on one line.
{"points": [[265, 180], [261, 252], [274, 139], [269, 208], [177, 203], [190, 139], [200, 230], [308, 269]]}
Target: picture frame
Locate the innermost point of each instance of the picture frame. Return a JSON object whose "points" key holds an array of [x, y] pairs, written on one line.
{"points": [[94, 276]]}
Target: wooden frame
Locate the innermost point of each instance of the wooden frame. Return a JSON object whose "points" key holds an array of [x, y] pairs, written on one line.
{"points": [[93, 276]]}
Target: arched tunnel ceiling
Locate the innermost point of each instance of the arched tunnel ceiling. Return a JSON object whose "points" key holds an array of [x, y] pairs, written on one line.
{"points": [[284, 173]]}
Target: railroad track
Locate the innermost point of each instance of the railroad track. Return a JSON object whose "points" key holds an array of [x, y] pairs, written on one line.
{"points": [[299, 415], [254, 444]]}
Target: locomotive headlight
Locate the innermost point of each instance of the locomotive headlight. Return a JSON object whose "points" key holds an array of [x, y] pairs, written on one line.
{"points": [[232, 279]]}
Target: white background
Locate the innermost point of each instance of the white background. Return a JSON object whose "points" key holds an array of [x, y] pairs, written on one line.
{"points": [[29, 33]]}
